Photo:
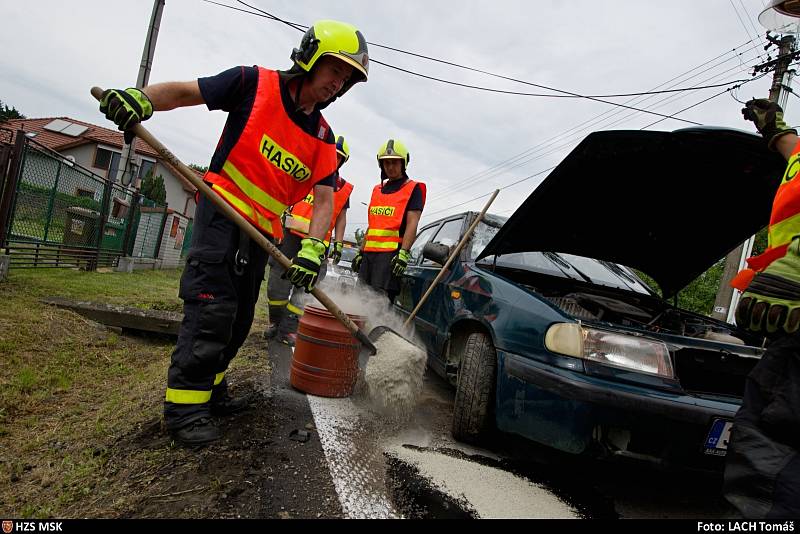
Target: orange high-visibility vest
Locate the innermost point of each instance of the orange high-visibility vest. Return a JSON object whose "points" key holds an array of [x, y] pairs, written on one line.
{"points": [[784, 223], [386, 216], [274, 163], [304, 210]]}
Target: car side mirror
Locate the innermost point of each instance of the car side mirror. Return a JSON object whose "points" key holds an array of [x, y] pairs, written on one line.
{"points": [[436, 252]]}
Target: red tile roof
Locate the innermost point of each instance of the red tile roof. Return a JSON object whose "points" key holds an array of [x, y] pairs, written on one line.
{"points": [[95, 134], [59, 141]]}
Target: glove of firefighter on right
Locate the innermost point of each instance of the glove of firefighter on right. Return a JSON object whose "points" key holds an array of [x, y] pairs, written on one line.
{"points": [[768, 118], [356, 263], [400, 262], [304, 270], [771, 303], [336, 252]]}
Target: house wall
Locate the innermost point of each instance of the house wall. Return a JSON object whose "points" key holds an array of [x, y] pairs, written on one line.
{"points": [[172, 242], [176, 195]]}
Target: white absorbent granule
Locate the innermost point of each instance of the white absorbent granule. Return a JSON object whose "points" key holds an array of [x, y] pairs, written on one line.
{"points": [[394, 376]]}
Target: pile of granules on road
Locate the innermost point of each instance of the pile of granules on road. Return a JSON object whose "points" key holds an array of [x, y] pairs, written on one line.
{"points": [[394, 376]]}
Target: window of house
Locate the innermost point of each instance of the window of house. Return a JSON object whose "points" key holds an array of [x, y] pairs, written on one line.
{"points": [[120, 209], [102, 158], [175, 224], [146, 168]]}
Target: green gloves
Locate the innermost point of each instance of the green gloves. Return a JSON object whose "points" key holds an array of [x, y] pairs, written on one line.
{"points": [[355, 265], [126, 108], [305, 266], [336, 254], [768, 118], [400, 262], [771, 303]]}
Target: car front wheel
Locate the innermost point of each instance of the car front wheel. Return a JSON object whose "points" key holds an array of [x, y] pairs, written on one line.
{"points": [[473, 411]]}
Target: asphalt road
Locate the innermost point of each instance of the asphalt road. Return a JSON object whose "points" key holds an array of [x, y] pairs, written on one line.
{"points": [[382, 468]]}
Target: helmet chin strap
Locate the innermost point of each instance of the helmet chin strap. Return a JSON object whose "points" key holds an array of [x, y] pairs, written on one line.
{"points": [[300, 81]]}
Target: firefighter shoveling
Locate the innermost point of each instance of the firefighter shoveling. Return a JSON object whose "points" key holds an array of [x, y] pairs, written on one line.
{"points": [[258, 237]]}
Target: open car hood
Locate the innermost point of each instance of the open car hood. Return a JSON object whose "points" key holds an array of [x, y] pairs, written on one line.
{"points": [[667, 203]]}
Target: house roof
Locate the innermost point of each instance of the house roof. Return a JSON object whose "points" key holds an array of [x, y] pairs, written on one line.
{"points": [[94, 134]]}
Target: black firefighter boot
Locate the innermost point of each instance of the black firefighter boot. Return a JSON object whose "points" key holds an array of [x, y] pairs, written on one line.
{"points": [[287, 330], [223, 404], [276, 314], [198, 432]]}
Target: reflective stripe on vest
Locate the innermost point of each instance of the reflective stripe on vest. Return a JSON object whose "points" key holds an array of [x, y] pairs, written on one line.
{"points": [[246, 210], [784, 223], [302, 212], [274, 163], [386, 211]]}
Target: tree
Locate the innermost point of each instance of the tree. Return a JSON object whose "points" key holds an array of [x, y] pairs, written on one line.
{"points": [[153, 188], [201, 168], [359, 236], [700, 294], [8, 113]]}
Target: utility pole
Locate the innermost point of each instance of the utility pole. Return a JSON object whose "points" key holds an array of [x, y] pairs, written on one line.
{"points": [[727, 297], [125, 162]]}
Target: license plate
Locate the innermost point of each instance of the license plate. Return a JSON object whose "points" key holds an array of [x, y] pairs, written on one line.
{"points": [[718, 437]]}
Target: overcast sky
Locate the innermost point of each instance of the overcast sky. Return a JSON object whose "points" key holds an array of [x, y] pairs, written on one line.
{"points": [[54, 51]]}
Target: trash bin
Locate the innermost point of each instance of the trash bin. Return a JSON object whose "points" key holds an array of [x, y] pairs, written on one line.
{"points": [[113, 235], [80, 227]]}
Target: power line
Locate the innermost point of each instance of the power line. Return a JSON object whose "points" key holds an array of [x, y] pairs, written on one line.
{"points": [[551, 168], [753, 26], [564, 93], [494, 169], [704, 101], [569, 95], [528, 156]]}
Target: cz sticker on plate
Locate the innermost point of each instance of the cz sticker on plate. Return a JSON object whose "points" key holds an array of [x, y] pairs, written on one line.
{"points": [[718, 437]]}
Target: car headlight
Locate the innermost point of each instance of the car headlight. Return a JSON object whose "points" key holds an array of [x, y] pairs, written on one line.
{"points": [[610, 348]]}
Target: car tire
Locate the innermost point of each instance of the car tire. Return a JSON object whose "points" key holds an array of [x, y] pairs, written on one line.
{"points": [[473, 410]]}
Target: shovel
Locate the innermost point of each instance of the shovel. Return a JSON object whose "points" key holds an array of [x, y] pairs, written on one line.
{"points": [[246, 227]]}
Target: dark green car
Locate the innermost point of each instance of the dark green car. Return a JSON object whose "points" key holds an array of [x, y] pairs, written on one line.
{"points": [[545, 329]]}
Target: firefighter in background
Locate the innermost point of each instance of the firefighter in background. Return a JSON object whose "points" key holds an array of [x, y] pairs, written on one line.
{"points": [[762, 466], [394, 212], [285, 312], [275, 148]]}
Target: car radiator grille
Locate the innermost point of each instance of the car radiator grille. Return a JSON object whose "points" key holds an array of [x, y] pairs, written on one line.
{"points": [[704, 371]]}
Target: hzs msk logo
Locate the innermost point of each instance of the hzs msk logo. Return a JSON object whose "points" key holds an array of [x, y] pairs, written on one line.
{"points": [[8, 526]]}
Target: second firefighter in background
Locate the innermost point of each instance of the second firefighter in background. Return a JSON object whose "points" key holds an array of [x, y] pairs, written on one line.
{"points": [[285, 311], [394, 212]]}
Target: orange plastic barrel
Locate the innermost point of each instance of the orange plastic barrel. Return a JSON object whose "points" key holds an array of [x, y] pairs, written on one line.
{"points": [[325, 360]]}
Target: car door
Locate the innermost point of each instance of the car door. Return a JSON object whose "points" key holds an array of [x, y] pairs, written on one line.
{"points": [[434, 316], [411, 289]]}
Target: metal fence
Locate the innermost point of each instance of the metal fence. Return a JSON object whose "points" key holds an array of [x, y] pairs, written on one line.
{"points": [[55, 213]]}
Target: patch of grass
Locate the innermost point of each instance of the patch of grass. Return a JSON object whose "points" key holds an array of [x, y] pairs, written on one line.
{"points": [[25, 380], [71, 392], [36, 511], [69, 388], [147, 289]]}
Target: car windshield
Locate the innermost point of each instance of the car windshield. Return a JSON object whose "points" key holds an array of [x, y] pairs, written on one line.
{"points": [[556, 264], [349, 253]]}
